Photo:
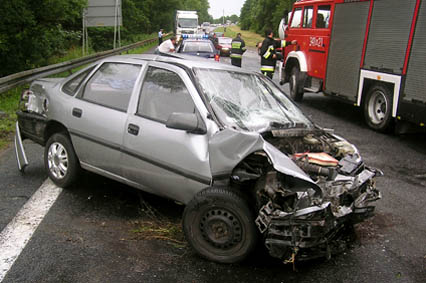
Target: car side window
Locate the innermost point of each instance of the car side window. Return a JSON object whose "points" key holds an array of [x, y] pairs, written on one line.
{"points": [[72, 85], [112, 85], [323, 16], [297, 18], [163, 92], [308, 14]]}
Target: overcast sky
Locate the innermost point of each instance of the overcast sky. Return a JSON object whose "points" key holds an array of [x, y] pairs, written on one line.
{"points": [[230, 6]]}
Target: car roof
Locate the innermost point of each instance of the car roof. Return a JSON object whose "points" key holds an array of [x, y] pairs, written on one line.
{"points": [[175, 59]]}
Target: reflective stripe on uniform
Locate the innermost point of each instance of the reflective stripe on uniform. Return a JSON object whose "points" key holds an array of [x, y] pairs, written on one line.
{"points": [[236, 45], [283, 43], [268, 52], [239, 56], [267, 68]]}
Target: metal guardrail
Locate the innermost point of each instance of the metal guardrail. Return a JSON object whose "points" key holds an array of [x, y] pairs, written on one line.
{"points": [[12, 81]]}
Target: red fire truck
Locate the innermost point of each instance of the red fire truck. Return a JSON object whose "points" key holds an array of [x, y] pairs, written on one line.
{"points": [[369, 52]]}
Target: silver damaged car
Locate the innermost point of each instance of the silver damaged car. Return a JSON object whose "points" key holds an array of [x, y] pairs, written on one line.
{"points": [[227, 143]]}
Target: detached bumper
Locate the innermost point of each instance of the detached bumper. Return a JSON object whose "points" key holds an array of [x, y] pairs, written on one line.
{"points": [[31, 126]]}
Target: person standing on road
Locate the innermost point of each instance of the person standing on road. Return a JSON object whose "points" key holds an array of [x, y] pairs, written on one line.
{"points": [[160, 37], [238, 47], [268, 53], [214, 40], [168, 46]]}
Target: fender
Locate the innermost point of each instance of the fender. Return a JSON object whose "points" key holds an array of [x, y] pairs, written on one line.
{"points": [[300, 57]]}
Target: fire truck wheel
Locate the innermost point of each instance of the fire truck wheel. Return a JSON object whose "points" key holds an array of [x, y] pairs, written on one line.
{"points": [[378, 108], [295, 91]]}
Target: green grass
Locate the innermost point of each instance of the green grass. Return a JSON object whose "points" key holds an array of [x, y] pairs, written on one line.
{"points": [[8, 104], [250, 38], [9, 100]]}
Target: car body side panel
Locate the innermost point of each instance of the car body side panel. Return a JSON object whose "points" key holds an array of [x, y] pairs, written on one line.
{"points": [[167, 162], [97, 135], [228, 147]]}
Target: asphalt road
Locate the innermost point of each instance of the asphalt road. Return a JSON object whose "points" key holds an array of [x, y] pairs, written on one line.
{"points": [[103, 231]]}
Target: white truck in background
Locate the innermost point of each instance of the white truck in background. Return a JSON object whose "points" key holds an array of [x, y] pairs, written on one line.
{"points": [[186, 23]]}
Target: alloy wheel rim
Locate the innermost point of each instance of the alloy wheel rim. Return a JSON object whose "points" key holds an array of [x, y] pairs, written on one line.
{"points": [[377, 107], [57, 160]]}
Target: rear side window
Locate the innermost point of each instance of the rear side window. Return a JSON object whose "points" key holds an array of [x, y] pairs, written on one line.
{"points": [[296, 22], [163, 92], [323, 16], [112, 85], [71, 86], [308, 14]]}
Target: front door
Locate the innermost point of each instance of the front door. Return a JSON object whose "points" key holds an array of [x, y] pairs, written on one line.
{"points": [[164, 161]]}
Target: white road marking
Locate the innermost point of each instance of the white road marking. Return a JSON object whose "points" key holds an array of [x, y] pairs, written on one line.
{"points": [[19, 231]]}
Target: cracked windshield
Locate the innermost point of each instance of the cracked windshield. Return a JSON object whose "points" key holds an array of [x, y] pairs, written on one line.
{"points": [[248, 102]]}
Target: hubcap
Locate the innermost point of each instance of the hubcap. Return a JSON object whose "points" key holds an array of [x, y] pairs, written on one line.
{"points": [[377, 107], [57, 160], [221, 228]]}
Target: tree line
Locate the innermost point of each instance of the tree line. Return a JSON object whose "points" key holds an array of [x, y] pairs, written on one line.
{"points": [[32, 31], [258, 15]]}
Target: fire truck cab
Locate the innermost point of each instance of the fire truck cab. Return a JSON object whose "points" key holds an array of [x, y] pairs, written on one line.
{"points": [[367, 52]]}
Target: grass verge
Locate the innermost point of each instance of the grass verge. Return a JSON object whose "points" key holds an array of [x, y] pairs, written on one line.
{"points": [[8, 106], [250, 38]]}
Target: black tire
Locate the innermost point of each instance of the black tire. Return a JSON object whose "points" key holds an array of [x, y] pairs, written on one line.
{"points": [[219, 225], [60, 160], [378, 108], [296, 91]]}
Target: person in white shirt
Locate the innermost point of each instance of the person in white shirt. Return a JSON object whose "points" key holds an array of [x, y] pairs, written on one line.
{"points": [[168, 46], [160, 36]]}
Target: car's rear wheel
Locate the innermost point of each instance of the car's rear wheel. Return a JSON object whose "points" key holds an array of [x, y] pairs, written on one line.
{"points": [[295, 93], [378, 108], [219, 225], [60, 160]]}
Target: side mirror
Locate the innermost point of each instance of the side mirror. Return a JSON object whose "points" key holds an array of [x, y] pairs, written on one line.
{"points": [[189, 122]]}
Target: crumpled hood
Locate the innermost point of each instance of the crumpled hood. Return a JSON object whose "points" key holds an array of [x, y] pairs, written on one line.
{"points": [[229, 147]]}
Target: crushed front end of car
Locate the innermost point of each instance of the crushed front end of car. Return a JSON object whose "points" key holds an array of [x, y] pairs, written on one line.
{"points": [[300, 220]]}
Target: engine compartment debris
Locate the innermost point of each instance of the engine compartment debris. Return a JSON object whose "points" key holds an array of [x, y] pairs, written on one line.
{"points": [[300, 221]]}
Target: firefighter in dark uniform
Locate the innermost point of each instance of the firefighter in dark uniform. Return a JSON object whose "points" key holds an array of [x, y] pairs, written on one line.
{"points": [[237, 49], [269, 54]]}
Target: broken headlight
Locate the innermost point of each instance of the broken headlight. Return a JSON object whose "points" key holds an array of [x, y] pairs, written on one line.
{"points": [[29, 102]]}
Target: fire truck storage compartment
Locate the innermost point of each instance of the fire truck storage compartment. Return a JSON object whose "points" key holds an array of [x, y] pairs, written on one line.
{"points": [[415, 84], [388, 36], [347, 40]]}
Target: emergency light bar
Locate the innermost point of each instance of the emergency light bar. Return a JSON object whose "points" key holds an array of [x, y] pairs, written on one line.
{"points": [[195, 36]]}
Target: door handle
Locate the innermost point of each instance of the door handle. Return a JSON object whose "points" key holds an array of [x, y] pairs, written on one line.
{"points": [[133, 129], [76, 112]]}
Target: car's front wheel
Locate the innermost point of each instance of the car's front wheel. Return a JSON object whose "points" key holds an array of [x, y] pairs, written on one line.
{"points": [[219, 225], [60, 160]]}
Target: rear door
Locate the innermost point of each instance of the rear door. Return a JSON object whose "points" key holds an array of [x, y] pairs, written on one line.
{"points": [[99, 113], [164, 161]]}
